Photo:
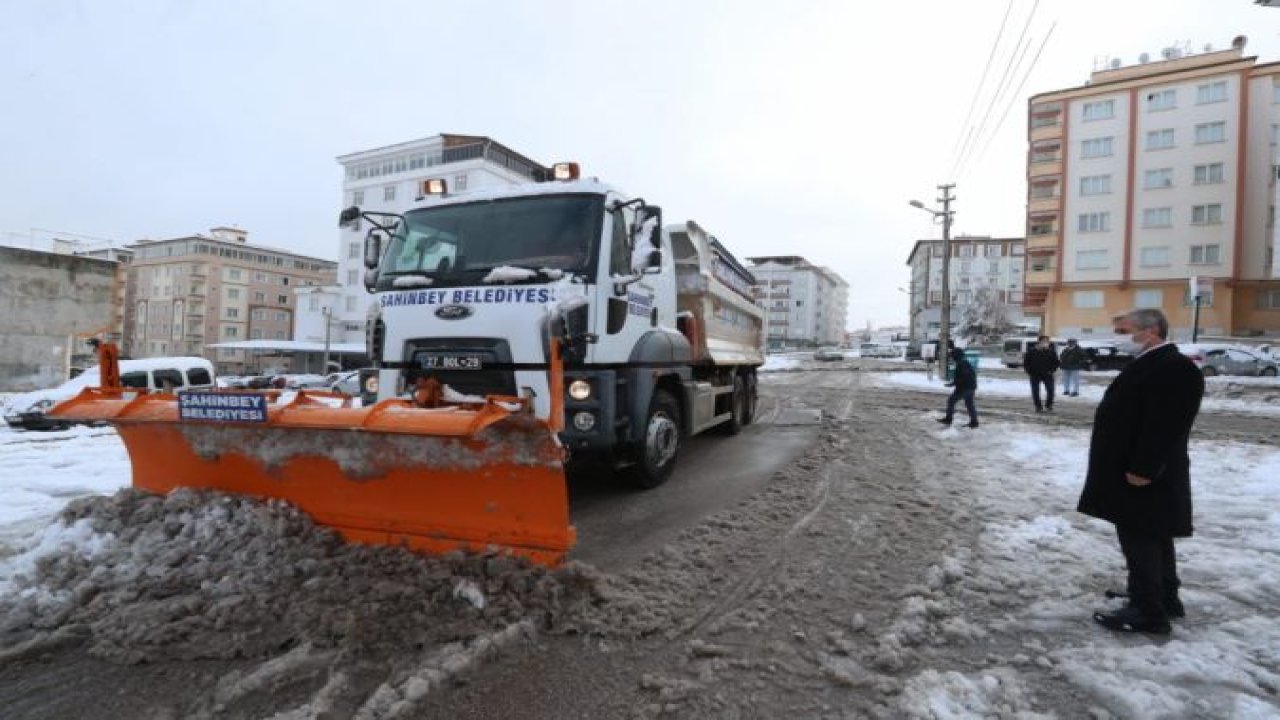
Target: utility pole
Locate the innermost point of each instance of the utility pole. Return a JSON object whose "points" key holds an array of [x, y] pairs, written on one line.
{"points": [[944, 320]]}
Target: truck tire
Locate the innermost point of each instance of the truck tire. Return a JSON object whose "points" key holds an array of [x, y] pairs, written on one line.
{"points": [[655, 459], [753, 398], [739, 407]]}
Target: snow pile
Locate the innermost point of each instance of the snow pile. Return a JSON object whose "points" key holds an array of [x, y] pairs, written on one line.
{"points": [[412, 281], [198, 575], [508, 274]]}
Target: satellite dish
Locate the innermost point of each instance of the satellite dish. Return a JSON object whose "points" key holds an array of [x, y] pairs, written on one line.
{"points": [[1238, 42], [1115, 63], [1144, 58]]}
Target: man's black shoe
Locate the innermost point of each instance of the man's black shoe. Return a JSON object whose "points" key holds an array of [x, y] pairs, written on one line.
{"points": [[945, 421], [1130, 619], [973, 424], [1172, 605]]}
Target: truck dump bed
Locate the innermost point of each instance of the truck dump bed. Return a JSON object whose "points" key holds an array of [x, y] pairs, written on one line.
{"points": [[715, 291]]}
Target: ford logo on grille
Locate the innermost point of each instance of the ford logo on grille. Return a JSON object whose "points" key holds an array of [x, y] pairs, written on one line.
{"points": [[453, 312]]}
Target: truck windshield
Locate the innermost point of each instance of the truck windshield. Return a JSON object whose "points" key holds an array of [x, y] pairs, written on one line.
{"points": [[461, 244]]}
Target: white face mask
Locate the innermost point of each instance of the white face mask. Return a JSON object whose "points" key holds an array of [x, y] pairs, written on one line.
{"points": [[1129, 345]]}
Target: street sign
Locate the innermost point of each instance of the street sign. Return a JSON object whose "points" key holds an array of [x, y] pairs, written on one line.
{"points": [[1200, 286]]}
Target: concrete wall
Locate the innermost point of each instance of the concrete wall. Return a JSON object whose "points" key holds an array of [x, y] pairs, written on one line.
{"points": [[45, 300]]}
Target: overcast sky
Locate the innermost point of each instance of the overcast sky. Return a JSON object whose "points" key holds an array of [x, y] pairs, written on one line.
{"points": [[783, 127]]}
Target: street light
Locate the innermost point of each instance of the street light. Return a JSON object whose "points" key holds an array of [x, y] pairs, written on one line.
{"points": [[944, 314]]}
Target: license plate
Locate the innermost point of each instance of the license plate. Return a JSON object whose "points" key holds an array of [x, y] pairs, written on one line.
{"points": [[449, 362]]}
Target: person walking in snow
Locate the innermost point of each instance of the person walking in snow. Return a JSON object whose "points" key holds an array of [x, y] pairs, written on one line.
{"points": [[1073, 360], [965, 382], [1041, 362], [1139, 476]]}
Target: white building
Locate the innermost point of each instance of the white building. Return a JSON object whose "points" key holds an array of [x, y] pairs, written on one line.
{"points": [[978, 264], [807, 305], [387, 179]]}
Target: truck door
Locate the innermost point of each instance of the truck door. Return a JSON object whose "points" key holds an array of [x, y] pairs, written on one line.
{"points": [[628, 313]]}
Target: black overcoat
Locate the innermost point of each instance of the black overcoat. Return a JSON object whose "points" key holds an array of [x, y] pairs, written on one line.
{"points": [[1142, 426]]}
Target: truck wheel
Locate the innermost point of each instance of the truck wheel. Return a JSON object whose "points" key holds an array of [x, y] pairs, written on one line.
{"points": [[656, 457], [753, 399], [739, 407]]}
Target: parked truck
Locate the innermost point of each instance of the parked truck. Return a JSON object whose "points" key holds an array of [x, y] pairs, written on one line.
{"points": [[661, 335]]}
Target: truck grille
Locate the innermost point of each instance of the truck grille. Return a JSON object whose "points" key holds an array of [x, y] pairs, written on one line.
{"points": [[485, 381]]}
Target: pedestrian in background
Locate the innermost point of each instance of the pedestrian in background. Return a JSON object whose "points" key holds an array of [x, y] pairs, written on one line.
{"points": [[965, 382], [1041, 362], [1139, 475], [1073, 360]]}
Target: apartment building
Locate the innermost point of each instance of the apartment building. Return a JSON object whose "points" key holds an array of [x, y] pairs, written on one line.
{"points": [[189, 293], [807, 305], [983, 269], [387, 179], [1146, 176]]}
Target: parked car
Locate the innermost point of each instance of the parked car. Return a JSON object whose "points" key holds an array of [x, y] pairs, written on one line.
{"points": [[876, 350], [1013, 349], [161, 374], [1105, 357], [1232, 361], [829, 353], [347, 383]]}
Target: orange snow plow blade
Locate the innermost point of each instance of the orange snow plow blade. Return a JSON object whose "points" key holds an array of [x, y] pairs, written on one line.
{"points": [[458, 476]]}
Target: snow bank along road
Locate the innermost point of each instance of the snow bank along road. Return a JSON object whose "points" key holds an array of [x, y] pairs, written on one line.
{"points": [[893, 569]]}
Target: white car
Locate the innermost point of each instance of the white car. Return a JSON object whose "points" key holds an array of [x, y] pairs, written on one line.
{"points": [[876, 350], [161, 374]]}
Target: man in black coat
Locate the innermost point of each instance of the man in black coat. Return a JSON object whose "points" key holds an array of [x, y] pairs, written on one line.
{"points": [[1041, 362], [965, 382], [1139, 475]]}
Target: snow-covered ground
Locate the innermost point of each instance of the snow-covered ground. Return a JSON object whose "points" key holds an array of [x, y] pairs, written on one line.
{"points": [[1221, 662], [1219, 391]]}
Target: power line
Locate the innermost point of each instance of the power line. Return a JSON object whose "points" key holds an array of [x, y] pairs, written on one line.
{"points": [[1000, 88], [1017, 92], [963, 138]]}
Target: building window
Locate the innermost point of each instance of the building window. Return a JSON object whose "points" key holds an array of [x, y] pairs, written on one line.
{"points": [[1205, 254], [313, 304], [282, 317], [1096, 148], [1087, 299], [1188, 301], [1206, 214], [353, 276], [1154, 256], [936, 251], [460, 182], [233, 313], [233, 293], [1094, 222], [284, 280], [1149, 298], [1095, 185], [993, 251], [258, 315], [259, 297], [1157, 217], [389, 193], [1016, 251], [1212, 92], [1269, 299], [966, 251], [351, 304], [1162, 100], [353, 251], [1159, 139], [1091, 260], [282, 299], [1214, 132], [230, 331], [357, 197], [1157, 179], [1100, 110], [1208, 174], [255, 334]]}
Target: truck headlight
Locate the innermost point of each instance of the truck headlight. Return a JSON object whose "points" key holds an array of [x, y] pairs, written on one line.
{"points": [[371, 384], [584, 421], [579, 389]]}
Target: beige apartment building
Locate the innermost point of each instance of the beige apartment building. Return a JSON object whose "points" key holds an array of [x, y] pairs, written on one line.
{"points": [[189, 293], [1146, 176]]}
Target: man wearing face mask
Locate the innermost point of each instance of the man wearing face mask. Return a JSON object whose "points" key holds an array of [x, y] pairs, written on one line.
{"points": [[1041, 362], [1139, 476]]}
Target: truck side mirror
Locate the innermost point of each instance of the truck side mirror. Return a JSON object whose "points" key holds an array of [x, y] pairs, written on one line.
{"points": [[349, 217], [372, 250], [655, 262], [371, 279], [651, 212]]}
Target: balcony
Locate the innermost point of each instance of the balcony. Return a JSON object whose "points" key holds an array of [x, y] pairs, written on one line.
{"points": [[1043, 241], [1046, 132], [1048, 167], [1048, 203], [1040, 276]]}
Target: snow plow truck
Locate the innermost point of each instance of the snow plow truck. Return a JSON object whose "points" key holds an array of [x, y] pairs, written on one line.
{"points": [[514, 329]]}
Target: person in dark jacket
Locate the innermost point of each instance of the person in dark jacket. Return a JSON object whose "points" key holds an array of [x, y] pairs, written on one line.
{"points": [[1041, 362], [1073, 360], [965, 383], [1139, 476]]}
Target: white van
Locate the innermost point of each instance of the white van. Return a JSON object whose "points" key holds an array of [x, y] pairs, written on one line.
{"points": [[161, 374], [1014, 348]]}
